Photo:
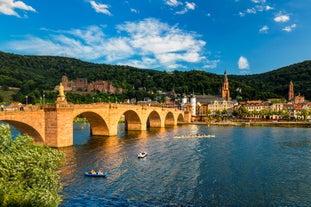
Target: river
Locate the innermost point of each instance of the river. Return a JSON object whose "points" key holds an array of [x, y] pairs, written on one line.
{"points": [[240, 166]]}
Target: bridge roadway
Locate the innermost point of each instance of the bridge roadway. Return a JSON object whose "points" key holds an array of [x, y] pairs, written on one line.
{"points": [[52, 124]]}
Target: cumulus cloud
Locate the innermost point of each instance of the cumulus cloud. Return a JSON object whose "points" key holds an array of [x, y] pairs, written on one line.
{"points": [[8, 7], [168, 45], [243, 63], [264, 29], [289, 28], [100, 8], [281, 18], [148, 43]]}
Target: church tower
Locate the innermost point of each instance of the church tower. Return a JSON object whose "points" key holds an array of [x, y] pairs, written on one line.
{"points": [[291, 95], [225, 93]]}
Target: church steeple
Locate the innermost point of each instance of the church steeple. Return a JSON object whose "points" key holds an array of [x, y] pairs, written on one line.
{"points": [[225, 93], [291, 94]]}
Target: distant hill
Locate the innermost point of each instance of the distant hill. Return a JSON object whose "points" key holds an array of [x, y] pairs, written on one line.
{"points": [[37, 73], [277, 81]]}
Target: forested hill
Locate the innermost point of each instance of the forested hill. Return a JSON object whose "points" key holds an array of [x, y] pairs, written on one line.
{"points": [[37, 73]]}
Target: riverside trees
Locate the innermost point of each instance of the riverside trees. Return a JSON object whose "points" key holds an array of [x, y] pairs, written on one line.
{"points": [[28, 172]]}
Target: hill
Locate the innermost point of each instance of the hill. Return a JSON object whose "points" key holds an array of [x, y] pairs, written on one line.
{"points": [[33, 74], [277, 81]]}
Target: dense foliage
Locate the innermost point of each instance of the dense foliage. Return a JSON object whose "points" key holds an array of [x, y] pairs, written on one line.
{"points": [[33, 74], [28, 175]]}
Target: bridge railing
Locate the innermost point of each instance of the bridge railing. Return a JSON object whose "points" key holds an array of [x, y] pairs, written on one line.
{"points": [[18, 108]]}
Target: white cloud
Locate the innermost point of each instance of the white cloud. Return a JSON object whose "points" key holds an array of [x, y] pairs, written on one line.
{"points": [[173, 3], [134, 10], [187, 6], [190, 5], [243, 63], [145, 44], [251, 11], [260, 6], [100, 8], [264, 29], [281, 18], [166, 44], [8, 7], [289, 28], [258, 1]]}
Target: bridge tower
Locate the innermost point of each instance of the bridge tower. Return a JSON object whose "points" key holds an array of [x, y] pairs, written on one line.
{"points": [[58, 122]]}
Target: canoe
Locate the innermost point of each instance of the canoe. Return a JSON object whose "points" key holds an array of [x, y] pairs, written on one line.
{"points": [[94, 175]]}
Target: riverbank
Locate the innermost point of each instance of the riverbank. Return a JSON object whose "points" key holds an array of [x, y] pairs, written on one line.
{"points": [[258, 123]]}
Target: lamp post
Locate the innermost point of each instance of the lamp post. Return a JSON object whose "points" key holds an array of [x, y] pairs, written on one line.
{"points": [[26, 100]]}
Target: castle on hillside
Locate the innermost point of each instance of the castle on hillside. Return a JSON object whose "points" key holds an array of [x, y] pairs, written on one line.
{"points": [[83, 86]]}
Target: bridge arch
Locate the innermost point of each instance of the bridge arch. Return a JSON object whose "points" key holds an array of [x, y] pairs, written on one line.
{"points": [[26, 129], [180, 118], [169, 119], [132, 120], [98, 125], [154, 120]]}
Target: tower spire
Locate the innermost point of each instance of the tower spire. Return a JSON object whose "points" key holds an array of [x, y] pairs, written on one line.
{"points": [[225, 93]]}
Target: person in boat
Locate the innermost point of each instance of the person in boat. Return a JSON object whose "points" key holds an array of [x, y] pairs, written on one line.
{"points": [[100, 171], [93, 172]]}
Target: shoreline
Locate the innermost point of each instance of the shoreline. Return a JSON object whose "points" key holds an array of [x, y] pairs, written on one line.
{"points": [[257, 123]]}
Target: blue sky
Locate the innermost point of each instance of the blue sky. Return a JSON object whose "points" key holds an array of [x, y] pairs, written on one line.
{"points": [[239, 36]]}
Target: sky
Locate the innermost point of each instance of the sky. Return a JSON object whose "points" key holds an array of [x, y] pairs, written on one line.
{"points": [[237, 36]]}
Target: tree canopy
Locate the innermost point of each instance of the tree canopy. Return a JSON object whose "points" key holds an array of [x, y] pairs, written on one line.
{"points": [[33, 74], [28, 172]]}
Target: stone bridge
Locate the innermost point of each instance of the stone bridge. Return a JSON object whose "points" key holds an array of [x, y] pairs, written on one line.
{"points": [[52, 124]]}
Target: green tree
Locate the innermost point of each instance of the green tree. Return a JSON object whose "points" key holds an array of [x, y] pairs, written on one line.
{"points": [[28, 175]]}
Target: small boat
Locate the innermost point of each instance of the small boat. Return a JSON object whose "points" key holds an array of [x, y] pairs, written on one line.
{"points": [[142, 154], [92, 173], [195, 136]]}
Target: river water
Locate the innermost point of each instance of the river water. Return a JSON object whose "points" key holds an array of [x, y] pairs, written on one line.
{"points": [[241, 166]]}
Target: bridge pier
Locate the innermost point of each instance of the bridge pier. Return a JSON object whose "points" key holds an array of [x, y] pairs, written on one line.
{"points": [[58, 125]]}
